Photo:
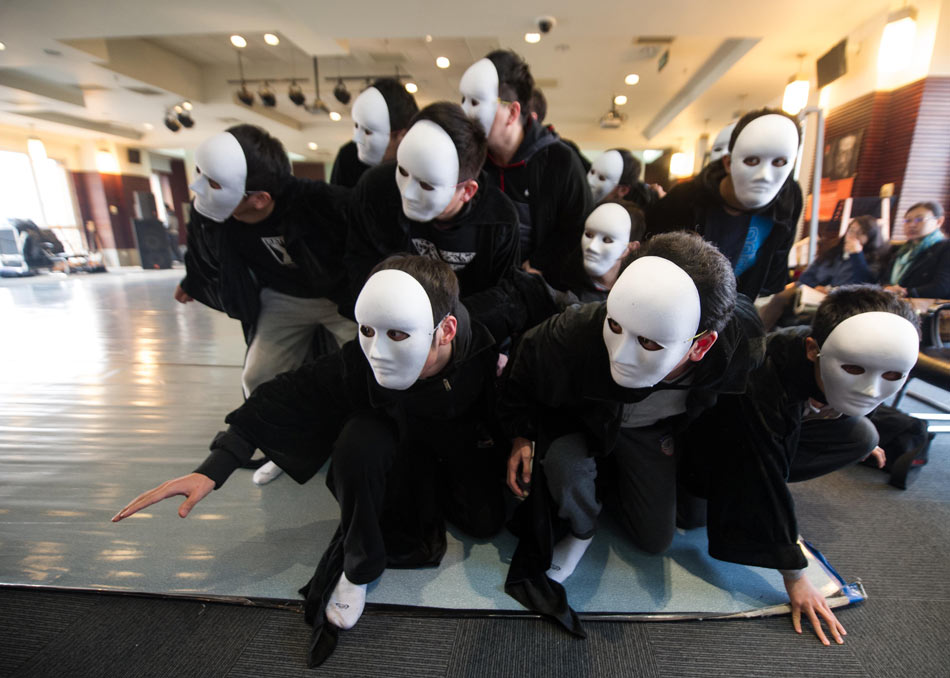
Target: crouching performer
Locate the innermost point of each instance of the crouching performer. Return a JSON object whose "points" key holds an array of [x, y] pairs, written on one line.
{"points": [[405, 417], [604, 391]]}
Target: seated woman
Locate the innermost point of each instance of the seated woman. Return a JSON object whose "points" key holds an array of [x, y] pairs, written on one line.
{"points": [[921, 266]]}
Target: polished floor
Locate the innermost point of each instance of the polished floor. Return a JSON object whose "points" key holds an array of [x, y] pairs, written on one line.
{"points": [[109, 387]]}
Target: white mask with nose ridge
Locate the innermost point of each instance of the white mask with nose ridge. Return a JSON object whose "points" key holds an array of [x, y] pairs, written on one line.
{"points": [[427, 171], [371, 126], [479, 89], [720, 145], [395, 320], [762, 158], [866, 359], [219, 159], [653, 313], [605, 238], [605, 174]]}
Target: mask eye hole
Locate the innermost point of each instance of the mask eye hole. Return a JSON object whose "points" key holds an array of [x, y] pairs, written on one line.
{"points": [[780, 162], [367, 131], [893, 376], [751, 161], [356, 125], [590, 236], [853, 369], [397, 335], [649, 344], [426, 186], [214, 184], [614, 326], [367, 331], [608, 240], [402, 170], [463, 99]]}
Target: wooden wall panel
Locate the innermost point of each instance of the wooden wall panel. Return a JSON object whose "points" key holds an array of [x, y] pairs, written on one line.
{"points": [[310, 170], [927, 176]]}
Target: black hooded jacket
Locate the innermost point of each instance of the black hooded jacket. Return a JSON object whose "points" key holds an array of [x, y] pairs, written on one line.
{"points": [[311, 218], [687, 208]]}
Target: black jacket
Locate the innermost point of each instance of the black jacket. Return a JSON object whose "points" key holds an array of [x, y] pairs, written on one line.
{"points": [[347, 168], [548, 184], [687, 205], [311, 216], [927, 276]]}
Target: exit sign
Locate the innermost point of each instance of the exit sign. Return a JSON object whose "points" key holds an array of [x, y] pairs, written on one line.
{"points": [[664, 59]]}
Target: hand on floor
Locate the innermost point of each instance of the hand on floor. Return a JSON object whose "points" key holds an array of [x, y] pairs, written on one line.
{"points": [[804, 597], [194, 486]]}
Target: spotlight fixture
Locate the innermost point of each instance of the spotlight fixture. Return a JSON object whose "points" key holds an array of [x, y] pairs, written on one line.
{"points": [[443, 62], [620, 99], [186, 105], [795, 97], [268, 98], [171, 122], [238, 41], [532, 37], [335, 117], [313, 146], [271, 39], [341, 93], [245, 96], [296, 94], [184, 117], [412, 87]]}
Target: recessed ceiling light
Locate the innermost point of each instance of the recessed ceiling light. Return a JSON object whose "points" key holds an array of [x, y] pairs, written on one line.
{"points": [[532, 37], [428, 38], [148, 125], [412, 87], [632, 79], [2, 47], [271, 39], [313, 146], [620, 99], [443, 62], [238, 41], [335, 117]]}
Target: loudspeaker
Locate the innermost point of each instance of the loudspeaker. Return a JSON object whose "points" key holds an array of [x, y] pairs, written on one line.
{"points": [[145, 205], [152, 239]]}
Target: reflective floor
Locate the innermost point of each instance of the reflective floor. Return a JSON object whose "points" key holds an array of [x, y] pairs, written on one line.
{"points": [[109, 387]]}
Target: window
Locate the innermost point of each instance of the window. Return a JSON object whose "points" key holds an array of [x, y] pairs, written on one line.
{"points": [[18, 196]]}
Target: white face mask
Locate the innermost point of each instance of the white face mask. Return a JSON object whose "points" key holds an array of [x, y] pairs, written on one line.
{"points": [[605, 174], [221, 160], [606, 236], [479, 88], [720, 146], [371, 126], [762, 158], [427, 171], [866, 359], [395, 319], [652, 318]]}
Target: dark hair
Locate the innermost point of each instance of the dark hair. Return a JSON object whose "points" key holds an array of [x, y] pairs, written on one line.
{"points": [[848, 300], [710, 270], [436, 277], [631, 168], [515, 82], [402, 105], [752, 115], [539, 105], [268, 166], [466, 134], [934, 207], [874, 247]]}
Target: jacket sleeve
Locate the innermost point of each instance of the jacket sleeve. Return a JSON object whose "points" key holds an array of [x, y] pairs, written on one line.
{"points": [[364, 244], [672, 212], [860, 271]]}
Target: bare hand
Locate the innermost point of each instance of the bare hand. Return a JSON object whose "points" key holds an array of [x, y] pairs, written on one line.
{"points": [[896, 289], [658, 190], [804, 597], [527, 268], [879, 456], [181, 296], [500, 364], [521, 457], [194, 486], [851, 243]]}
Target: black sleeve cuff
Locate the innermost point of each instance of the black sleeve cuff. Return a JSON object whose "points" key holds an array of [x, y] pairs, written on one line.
{"points": [[229, 451]]}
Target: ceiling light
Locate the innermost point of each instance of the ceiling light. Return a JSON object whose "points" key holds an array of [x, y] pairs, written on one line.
{"points": [[171, 122], [2, 47], [532, 37], [412, 87], [796, 94], [148, 125], [106, 162], [295, 92], [238, 41], [184, 117], [428, 38], [341, 93], [271, 39], [443, 62], [186, 105], [268, 98], [897, 43], [313, 146], [245, 96], [620, 99], [178, 109], [335, 117], [632, 79], [681, 165]]}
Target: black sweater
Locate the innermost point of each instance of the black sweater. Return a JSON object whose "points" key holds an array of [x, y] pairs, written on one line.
{"points": [[927, 276]]}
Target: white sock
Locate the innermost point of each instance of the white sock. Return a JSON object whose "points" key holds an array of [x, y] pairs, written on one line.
{"points": [[567, 554], [346, 603], [266, 473]]}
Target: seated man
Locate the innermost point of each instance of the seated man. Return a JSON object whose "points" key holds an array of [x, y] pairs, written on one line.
{"points": [[381, 115], [619, 379], [405, 417], [747, 203], [862, 344], [921, 266]]}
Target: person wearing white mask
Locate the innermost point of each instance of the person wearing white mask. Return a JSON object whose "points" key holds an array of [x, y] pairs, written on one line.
{"points": [[401, 413], [802, 416], [720, 145], [748, 204], [381, 115], [671, 338], [266, 248], [539, 172]]}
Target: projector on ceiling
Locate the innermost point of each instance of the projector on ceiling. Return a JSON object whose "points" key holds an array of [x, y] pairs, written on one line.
{"points": [[612, 120]]}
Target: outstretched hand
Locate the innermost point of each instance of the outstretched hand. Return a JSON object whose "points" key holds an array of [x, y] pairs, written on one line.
{"points": [[194, 486], [804, 597]]}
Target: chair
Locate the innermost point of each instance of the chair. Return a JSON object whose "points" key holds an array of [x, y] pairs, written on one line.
{"points": [[933, 364]]}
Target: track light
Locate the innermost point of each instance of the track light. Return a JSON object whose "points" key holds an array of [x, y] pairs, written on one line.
{"points": [[185, 119], [171, 122], [245, 96], [296, 94], [341, 93], [268, 98]]}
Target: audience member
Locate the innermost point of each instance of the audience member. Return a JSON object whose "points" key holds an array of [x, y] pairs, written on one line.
{"points": [[921, 266]]}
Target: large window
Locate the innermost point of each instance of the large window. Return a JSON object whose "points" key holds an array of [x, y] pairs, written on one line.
{"points": [[18, 195]]}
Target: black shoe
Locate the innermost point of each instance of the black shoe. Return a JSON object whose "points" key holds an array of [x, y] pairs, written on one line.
{"points": [[909, 460]]}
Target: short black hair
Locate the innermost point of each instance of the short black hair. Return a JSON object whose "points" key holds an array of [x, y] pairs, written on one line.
{"points": [[436, 277], [466, 134], [752, 115], [268, 166], [539, 104], [515, 82], [710, 270], [402, 105], [631, 168], [638, 221], [934, 207], [848, 300]]}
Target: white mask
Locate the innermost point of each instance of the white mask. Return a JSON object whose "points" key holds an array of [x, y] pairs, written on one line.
{"points": [[605, 174], [395, 319], [875, 344], [371, 126], [220, 159], [654, 305], [605, 238], [720, 146], [479, 88], [427, 171], [762, 158]]}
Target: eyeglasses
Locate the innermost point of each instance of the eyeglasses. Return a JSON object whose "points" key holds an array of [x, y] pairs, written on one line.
{"points": [[916, 221]]}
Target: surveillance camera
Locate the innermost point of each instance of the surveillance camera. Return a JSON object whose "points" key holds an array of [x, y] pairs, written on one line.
{"points": [[546, 23]]}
